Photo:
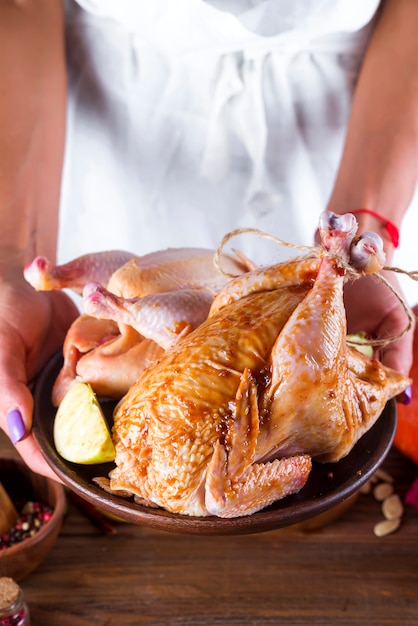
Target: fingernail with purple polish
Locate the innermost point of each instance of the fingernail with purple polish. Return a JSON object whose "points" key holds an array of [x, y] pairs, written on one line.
{"points": [[406, 396], [16, 425]]}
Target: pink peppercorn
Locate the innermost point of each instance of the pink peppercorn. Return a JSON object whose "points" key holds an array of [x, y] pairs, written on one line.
{"points": [[33, 516]]}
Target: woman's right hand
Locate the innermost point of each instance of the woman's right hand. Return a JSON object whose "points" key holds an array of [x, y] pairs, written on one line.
{"points": [[32, 327]]}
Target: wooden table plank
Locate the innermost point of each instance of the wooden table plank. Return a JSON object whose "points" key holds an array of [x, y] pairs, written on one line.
{"points": [[341, 574]]}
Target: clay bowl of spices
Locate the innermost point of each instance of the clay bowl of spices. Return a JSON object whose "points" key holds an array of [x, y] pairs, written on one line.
{"points": [[32, 509]]}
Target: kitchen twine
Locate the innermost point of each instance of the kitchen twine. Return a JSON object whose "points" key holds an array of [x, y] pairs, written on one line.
{"points": [[320, 251]]}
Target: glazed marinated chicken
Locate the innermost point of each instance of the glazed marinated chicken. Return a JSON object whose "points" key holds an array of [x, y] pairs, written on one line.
{"points": [[229, 420], [170, 291]]}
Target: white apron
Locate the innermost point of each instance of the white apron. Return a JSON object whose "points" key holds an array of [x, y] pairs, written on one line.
{"points": [[190, 118]]}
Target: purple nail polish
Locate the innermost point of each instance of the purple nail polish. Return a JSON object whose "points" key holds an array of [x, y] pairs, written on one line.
{"points": [[406, 396], [16, 425]]}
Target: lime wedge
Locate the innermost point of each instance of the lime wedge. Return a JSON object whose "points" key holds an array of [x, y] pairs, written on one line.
{"points": [[81, 434]]}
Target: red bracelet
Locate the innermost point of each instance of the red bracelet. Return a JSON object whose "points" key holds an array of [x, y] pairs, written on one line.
{"points": [[393, 230]]}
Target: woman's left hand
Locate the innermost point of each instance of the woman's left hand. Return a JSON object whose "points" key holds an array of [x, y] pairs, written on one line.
{"points": [[372, 308]]}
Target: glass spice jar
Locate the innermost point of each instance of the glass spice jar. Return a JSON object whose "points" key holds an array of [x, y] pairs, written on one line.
{"points": [[13, 608]]}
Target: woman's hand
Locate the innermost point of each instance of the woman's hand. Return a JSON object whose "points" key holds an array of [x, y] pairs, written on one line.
{"points": [[373, 308], [32, 327]]}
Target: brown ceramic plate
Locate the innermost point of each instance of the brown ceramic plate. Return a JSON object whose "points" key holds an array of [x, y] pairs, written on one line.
{"points": [[329, 484]]}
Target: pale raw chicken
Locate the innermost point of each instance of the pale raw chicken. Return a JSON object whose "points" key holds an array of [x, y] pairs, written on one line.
{"points": [[229, 420], [171, 291]]}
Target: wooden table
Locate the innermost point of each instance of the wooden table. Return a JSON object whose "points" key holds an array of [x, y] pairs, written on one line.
{"points": [[341, 575]]}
